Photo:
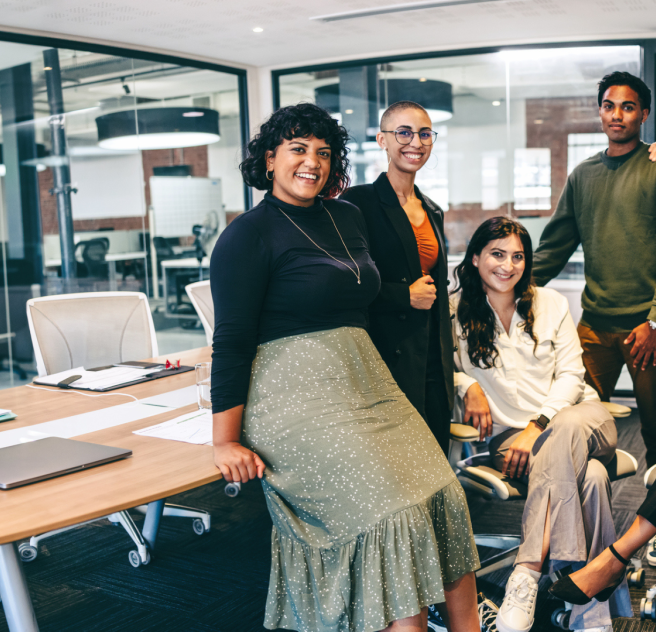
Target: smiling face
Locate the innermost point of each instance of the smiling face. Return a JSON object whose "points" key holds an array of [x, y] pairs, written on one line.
{"points": [[301, 168], [501, 264], [621, 115], [406, 158]]}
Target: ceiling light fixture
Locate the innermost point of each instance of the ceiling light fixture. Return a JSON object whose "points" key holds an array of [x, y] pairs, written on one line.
{"points": [[435, 96], [158, 128], [396, 8], [258, 29], [423, 79], [496, 103]]}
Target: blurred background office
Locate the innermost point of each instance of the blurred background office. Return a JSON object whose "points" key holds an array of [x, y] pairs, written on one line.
{"points": [[121, 129]]}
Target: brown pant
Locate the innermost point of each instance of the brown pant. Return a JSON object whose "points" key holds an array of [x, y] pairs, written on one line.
{"points": [[604, 355]]}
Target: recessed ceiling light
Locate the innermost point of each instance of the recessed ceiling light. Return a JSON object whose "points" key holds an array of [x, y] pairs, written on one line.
{"points": [[258, 29], [47, 68], [538, 121], [423, 79], [193, 114], [496, 103], [348, 111]]}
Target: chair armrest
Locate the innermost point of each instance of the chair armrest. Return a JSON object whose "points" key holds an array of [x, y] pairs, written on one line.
{"points": [[621, 466], [650, 476], [617, 410], [463, 433]]}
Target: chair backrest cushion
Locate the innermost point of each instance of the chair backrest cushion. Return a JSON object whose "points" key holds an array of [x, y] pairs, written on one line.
{"points": [[201, 297], [91, 330]]}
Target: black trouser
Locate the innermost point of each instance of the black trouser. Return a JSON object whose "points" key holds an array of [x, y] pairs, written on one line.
{"points": [[648, 508], [438, 414]]}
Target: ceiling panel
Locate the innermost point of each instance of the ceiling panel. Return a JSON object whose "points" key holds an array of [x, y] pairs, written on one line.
{"points": [[223, 29]]}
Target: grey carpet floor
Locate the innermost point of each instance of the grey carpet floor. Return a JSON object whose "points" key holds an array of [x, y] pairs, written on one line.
{"points": [[82, 581]]}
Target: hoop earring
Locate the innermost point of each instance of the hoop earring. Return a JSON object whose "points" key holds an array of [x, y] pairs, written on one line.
{"points": [[266, 175]]}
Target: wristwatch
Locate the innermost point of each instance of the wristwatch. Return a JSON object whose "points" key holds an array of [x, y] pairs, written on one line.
{"points": [[652, 324], [541, 422]]}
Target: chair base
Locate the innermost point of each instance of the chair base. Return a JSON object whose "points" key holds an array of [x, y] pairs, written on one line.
{"points": [[508, 546], [201, 524]]}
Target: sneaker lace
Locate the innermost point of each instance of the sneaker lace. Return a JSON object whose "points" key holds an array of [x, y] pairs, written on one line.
{"points": [[521, 592], [487, 616]]}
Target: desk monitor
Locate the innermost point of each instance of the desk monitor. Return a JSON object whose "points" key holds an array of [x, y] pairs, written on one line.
{"points": [[46, 458]]}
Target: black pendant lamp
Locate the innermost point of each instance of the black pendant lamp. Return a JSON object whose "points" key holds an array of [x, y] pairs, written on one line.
{"points": [[158, 128]]}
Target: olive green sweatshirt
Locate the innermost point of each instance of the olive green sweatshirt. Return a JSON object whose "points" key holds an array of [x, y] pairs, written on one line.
{"points": [[608, 206]]}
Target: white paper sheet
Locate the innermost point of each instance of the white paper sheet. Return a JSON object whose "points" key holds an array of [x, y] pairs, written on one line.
{"points": [[120, 413], [194, 427]]}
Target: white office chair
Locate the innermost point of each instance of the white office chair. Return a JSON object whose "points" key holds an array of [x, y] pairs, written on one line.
{"points": [[477, 475], [201, 298], [98, 329]]}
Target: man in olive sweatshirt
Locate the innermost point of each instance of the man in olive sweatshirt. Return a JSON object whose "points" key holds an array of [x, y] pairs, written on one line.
{"points": [[609, 206]]}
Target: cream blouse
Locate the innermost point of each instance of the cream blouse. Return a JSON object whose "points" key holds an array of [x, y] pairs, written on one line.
{"points": [[528, 382]]}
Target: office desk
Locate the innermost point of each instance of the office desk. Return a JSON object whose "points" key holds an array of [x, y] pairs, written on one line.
{"points": [[157, 469], [186, 265], [111, 258]]}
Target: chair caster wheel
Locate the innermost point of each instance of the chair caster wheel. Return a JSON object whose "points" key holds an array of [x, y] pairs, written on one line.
{"points": [[27, 552], [198, 526], [560, 618], [648, 605], [232, 489], [636, 578], [135, 558]]}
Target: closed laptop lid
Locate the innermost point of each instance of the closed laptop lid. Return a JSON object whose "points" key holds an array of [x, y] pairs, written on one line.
{"points": [[46, 458]]}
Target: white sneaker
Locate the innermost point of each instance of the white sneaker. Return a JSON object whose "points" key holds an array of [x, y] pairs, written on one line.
{"points": [[651, 552], [517, 611]]}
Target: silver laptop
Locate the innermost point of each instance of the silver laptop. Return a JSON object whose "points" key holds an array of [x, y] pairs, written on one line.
{"points": [[46, 458]]}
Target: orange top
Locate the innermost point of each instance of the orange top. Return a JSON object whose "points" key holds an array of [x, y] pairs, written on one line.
{"points": [[427, 243]]}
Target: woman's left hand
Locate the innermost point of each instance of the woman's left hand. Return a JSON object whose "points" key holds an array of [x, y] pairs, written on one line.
{"points": [[516, 461]]}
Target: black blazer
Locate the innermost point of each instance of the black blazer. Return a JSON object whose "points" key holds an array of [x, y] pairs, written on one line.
{"points": [[399, 331]]}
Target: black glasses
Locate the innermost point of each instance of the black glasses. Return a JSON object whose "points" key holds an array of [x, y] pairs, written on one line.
{"points": [[404, 136]]}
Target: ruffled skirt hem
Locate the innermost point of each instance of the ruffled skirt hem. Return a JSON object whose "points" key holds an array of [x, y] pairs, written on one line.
{"points": [[388, 572]]}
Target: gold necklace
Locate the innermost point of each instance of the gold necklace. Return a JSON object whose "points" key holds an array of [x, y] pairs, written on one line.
{"points": [[357, 274]]}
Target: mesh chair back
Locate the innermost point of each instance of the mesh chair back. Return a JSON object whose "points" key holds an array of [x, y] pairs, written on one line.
{"points": [[90, 330], [201, 298]]}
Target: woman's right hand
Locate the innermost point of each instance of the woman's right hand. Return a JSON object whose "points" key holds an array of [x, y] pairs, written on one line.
{"points": [[423, 293], [477, 410], [237, 463]]}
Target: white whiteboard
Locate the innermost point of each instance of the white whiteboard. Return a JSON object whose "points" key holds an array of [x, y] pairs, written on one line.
{"points": [[179, 203], [107, 186]]}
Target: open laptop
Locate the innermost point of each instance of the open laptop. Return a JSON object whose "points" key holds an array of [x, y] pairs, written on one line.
{"points": [[46, 458]]}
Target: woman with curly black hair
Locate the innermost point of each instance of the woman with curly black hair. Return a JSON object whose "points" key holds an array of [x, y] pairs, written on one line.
{"points": [[521, 381], [370, 524]]}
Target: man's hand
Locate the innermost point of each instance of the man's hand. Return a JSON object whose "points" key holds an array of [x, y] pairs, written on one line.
{"points": [[652, 152], [478, 410], [423, 293], [516, 461], [643, 338], [237, 463]]}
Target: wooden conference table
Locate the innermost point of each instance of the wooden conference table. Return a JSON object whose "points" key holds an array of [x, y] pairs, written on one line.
{"points": [[158, 468]]}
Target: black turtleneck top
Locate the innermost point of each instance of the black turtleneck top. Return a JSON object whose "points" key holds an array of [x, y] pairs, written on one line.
{"points": [[270, 281]]}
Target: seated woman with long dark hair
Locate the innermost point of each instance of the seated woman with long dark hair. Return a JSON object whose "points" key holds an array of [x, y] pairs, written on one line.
{"points": [[370, 524], [520, 377]]}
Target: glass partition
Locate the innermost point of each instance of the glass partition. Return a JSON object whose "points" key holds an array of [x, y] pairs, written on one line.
{"points": [[116, 174], [511, 125]]}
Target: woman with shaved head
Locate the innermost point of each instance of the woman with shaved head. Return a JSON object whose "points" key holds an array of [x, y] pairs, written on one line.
{"points": [[409, 321]]}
